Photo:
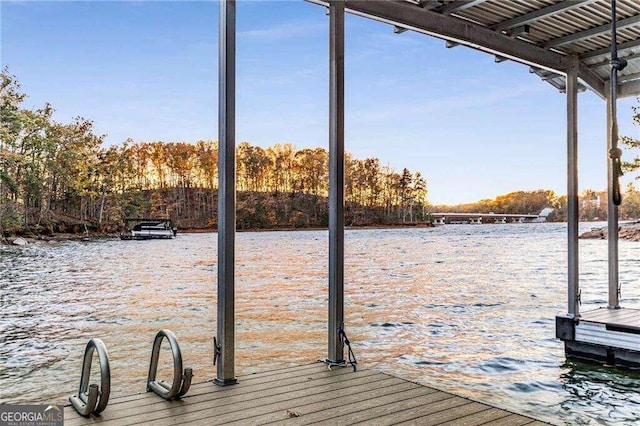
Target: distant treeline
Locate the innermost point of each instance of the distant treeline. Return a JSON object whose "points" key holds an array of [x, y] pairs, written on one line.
{"points": [[58, 177], [592, 205]]}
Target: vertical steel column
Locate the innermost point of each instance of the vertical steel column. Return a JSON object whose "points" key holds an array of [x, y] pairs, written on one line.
{"points": [[226, 192], [612, 217], [573, 280], [336, 179]]}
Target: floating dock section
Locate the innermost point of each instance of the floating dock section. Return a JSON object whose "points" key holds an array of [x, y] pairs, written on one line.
{"points": [[610, 336], [302, 395]]}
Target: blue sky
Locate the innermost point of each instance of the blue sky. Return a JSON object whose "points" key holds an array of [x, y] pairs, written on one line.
{"points": [[148, 70]]}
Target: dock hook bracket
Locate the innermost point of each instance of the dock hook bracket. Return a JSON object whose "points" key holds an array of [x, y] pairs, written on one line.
{"points": [[181, 378], [93, 398]]}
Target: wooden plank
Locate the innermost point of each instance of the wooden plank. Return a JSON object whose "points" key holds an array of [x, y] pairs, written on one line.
{"points": [[627, 315], [429, 419], [303, 395], [272, 409], [334, 413], [248, 405], [204, 387], [595, 313], [511, 420], [218, 395], [117, 408], [405, 401], [477, 419], [437, 410], [610, 315], [151, 404]]}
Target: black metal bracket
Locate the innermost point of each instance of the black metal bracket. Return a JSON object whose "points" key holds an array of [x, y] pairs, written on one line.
{"points": [[217, 350]]}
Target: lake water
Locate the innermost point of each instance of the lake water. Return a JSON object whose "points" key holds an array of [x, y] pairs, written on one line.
{"points": [[468, 309]]}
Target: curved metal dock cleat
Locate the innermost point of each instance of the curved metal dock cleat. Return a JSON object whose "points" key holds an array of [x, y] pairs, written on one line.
{"points": [[93, 398], [181, 378]]}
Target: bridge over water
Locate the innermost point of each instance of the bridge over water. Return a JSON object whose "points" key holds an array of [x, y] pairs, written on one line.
{"points": [[480, 218]]}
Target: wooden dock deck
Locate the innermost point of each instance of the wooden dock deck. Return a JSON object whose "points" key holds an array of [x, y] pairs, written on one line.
{"points": [[623, 320], [610, 336], [303, 395]]}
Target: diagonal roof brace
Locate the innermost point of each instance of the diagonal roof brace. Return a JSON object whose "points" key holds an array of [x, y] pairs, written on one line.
{"points": [[590, 79]]}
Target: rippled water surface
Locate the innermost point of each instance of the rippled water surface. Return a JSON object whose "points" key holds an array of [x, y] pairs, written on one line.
{"points": [[468, 309]]}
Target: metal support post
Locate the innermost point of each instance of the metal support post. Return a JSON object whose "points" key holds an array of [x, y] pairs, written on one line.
{"points": [[614, 166], [612, 217], [573, 280], [225, 349], [336, 180]]}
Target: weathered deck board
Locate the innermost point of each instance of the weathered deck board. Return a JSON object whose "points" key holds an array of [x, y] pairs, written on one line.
{"points": [[624, 316], [303, 395], [511, 420]]}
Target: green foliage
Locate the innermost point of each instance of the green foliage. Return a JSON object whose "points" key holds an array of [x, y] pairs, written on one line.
{"points": [[52, 174]]}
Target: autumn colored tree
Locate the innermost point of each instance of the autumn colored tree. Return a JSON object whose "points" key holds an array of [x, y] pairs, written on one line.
{"points": [[52, 171]]}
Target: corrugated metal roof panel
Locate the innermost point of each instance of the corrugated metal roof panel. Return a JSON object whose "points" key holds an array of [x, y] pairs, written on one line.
{"points": [[573, 28], [555, 30]]}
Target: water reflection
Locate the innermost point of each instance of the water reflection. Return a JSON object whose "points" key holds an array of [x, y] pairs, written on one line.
{"points": [[617, 390], [469, 309]]}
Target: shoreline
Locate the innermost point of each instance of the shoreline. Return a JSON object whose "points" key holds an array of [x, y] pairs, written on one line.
{"points": [[626, 231], [20, 240]]}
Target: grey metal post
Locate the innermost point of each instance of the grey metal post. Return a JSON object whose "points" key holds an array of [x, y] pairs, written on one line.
{"points": [[573, 271], [226, 193], [612, 217], [336, 179]]}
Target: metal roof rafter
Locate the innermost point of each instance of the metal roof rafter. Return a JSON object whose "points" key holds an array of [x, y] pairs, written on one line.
{"points": [[427, 4], [457, 6], [539, 14], [631, 88], [606, 51], [408, 15], [591, 32], [630, 77], [607, 63], [473, 35], [456, 30]]}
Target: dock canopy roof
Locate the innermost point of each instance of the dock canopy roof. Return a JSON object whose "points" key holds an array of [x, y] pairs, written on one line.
{"points": [[548, 35]]}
